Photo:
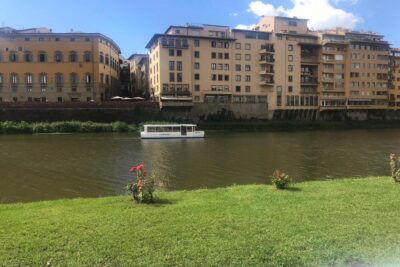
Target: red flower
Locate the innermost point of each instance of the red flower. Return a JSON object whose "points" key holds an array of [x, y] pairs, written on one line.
{"points": [[133, 169], [139, 167]]}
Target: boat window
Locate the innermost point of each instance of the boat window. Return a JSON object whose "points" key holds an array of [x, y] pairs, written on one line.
{"points": [[176, 129], [189, 129], [151, 129]]}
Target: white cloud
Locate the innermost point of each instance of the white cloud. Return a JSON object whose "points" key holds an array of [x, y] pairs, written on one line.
{"points": [[321, 13], [233, 14]]}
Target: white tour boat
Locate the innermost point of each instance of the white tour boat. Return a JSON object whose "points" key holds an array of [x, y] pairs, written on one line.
{"points": [[154, 131]]}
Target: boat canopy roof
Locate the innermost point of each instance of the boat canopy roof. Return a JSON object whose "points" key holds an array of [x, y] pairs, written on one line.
{"points": [[169, 125]]}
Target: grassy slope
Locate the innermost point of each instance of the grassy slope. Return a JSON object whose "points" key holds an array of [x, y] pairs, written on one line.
{"points": [[318, 223]]}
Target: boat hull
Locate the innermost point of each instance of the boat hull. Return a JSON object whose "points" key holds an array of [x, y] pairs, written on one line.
{"points": [[172, 135]]}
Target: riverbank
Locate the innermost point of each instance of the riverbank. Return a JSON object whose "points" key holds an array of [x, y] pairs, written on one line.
{"points": [[340, 222], [14, 127]]}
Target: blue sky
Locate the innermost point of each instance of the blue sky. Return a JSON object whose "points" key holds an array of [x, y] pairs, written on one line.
{"points": [[132, 23]]}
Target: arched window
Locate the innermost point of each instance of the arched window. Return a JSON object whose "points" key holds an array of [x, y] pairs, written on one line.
{"points": [[42, 57], [28, 56], [28, 79], [107, 59], [43, 78], [87, 56], [88, 78], [14, 79], [58, 57], [73, 57], [13, 57], [59, 79]]}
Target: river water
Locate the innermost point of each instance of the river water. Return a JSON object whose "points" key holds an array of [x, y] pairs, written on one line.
{"points": [[52, 166]]}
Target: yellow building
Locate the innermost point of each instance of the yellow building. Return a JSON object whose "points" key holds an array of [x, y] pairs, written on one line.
{"points": [[39, 65], [280, 62], [395, 79]]}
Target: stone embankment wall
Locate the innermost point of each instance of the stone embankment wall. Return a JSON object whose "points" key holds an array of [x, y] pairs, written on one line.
{"points": [[149, 111]]}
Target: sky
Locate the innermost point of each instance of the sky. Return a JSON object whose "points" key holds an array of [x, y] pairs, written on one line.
{"points": [[131, 24]]}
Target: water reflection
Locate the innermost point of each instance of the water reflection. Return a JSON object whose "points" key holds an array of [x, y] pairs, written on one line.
{"points": [[37, 167]]}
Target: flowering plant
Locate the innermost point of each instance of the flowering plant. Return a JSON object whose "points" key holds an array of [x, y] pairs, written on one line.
{"points": [[280, 179], [142, 188]]}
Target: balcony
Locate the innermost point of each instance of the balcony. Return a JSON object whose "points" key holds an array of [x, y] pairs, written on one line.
{"points": [[267, 60], [267, 49], [327, 80], [267, 82], [306, 80], [267, 72], [310, 59]]}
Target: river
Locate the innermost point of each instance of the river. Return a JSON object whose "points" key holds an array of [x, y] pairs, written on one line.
{"points": [[52, 166]]}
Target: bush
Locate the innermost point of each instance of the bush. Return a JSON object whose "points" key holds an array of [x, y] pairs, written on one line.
{"points": [[394, 168], [280, 179], [142, 188]]}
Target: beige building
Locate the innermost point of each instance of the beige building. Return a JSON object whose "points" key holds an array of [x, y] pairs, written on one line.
{"points": [[279, 62], [39, 65], [139, 73], [394, 99]]}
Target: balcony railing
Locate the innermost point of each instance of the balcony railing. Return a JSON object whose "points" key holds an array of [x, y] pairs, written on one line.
{"points": [[309, 80]]}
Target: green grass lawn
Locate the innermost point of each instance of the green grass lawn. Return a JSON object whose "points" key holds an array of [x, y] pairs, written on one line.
{"points": [[335, 223]]}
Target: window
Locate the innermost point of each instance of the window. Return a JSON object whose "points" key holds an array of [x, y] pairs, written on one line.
{"points": [[338, 57], [178, 53], [1, 79], [220, 55], [220, 77], [290, 47], [213, 66], [238, 46], [43, 78], [29, 79], [290, 78], [179, 65], [213, 77], [28, 57], [87, 56], [72, 57], [73, 78], [196, 43], [238, 78], [237, 88], [13, 57], [58, 56], [247, 46], [42, 56], [88, 78], [290, 89], [290, 58], [247, 89], [14, 79], [226, 56], [292, 23], [213, 44], [226, 77], [290, 68], [171, 52], [248, 78], [196, 65], [197, 54], [220, 66], [179, 77], [59, 79], [238, 56], [226, 66], [247, 57], [226, 44], [107, 60], [101, 57], [197, 87], [238, 67], [213, 55], [72, 39], [197, 76], [171, 77], [172, 65], [247, 68]]}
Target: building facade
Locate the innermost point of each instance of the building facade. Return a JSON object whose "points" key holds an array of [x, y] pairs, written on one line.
{"points": [[39, 65], [279, 63], [139, 73]]}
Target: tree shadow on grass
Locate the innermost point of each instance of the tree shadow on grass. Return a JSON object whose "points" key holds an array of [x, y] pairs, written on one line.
{"points": [[293, 189], [160, 202]]}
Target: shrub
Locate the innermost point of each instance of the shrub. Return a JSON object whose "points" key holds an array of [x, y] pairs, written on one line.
{"points": [[280, 179], [394, 167], [142, 187]]}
